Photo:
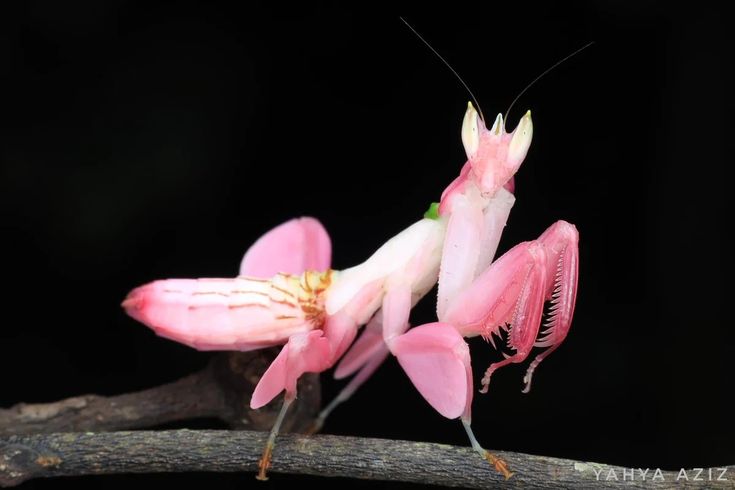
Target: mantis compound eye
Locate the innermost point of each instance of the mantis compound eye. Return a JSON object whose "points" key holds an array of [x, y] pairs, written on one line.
{"points": [[471, 131], [521, 140]]}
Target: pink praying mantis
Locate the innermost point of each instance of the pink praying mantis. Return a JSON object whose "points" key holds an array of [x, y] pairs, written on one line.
{"points": [[286, 293]]}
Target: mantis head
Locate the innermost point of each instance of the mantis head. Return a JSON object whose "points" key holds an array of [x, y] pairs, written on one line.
{"points": [[494, 154]]}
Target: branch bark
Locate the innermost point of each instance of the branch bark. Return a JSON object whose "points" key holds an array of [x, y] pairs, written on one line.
{"points": [[50, 455], [63, 439], [221, 390]]}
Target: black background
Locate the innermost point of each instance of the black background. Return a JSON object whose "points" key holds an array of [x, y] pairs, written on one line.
{"points": [[148, 141]]}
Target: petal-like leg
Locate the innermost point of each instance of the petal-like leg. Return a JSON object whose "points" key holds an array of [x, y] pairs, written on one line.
{"points": [[511, 289], [340, 331], [364, 349], [437, 360], [367, 370], [303, 353], [369, 352], [396, 310], [293, 247], [561, 241]]}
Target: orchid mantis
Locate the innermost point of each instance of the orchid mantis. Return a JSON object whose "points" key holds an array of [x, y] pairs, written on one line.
{"points": [[286, 293], [477, 296], [481, 297]]}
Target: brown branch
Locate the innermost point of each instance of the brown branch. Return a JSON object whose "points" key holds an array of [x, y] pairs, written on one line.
{"points": [[31, 447], [221, 390], [49, 455]]}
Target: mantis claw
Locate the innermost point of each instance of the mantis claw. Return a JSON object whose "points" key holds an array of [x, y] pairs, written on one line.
{"points": [[500, 465], [264, 463]]}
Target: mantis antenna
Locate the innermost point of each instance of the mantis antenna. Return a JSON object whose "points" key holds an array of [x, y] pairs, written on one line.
{"points": [[474, 99], [579, 50]]}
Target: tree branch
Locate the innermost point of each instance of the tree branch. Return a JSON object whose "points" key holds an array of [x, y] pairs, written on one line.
{"points": [[56, 439], [221, 390], [48, 455]]}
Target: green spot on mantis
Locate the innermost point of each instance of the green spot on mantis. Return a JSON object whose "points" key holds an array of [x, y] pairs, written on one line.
{"points": [[433, 211]]}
